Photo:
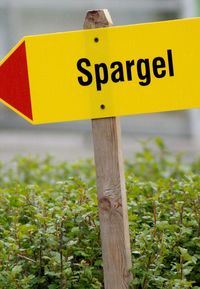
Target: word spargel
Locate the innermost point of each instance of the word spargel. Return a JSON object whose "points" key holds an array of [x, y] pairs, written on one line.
{"points": [[117, 71]]}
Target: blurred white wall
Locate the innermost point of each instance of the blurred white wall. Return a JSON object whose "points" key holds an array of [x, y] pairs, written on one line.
{"points": [[24, 17]]}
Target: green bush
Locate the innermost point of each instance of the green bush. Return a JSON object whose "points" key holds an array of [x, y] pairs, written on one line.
{"points": [[49, 229]]}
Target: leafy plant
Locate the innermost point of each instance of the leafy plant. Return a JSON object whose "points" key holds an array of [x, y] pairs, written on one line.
{"points": [[49, 229]]}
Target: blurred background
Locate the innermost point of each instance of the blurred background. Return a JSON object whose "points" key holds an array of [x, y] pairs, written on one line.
{"points": [[72, 140]]}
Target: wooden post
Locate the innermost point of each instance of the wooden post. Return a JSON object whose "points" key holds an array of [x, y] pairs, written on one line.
{"points": [[112, 199]]}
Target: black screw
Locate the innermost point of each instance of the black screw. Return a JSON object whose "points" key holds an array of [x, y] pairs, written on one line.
{"points": [[102, 106], [96, 39]]}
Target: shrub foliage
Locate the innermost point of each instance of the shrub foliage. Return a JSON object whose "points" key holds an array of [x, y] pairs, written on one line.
{"points": [[49, 229]]}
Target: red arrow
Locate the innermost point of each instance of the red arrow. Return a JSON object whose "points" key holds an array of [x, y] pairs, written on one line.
{"points": [[14, 82]]}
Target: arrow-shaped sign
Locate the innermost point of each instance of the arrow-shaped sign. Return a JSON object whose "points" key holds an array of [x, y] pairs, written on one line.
{"points": [[104, 72]]}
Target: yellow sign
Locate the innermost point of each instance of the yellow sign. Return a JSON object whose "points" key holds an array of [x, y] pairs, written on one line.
{"points": [[106, 72]]}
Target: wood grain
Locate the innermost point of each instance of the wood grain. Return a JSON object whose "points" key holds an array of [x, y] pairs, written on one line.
{"points": [[112, 200]]}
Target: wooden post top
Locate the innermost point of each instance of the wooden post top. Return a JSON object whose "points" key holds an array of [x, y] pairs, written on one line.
{"points": [[97, 19]]}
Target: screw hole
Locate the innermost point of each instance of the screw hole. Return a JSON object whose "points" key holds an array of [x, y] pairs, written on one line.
{"points": [[102, 106], [96, 39]]}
